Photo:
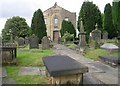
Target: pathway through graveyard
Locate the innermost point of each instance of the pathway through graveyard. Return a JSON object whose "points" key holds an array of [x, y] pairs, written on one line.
{"points": [[99, 73]]}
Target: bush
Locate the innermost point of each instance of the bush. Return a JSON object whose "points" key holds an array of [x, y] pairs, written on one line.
{"points": [[68, 36]]}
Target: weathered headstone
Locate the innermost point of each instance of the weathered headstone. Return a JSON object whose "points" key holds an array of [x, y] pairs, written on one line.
{"points": [[33, 41], [26, 40], [45, 43], [20, 41], [105, 35], [82, 41], [96, 34]]}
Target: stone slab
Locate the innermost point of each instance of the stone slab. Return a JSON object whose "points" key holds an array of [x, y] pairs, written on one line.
{"points": [[8, 81], [3, 72], [31, 71]]}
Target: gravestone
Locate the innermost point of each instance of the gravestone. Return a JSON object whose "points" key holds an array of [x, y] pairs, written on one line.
{"points": [[105, 35], [82, 41], [26, 40], [45, 43], [20, 41], [33, 41], [96, 34]]}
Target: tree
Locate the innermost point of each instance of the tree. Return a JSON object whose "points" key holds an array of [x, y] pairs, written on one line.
{"points": [[16, 26], [90, 15], [108, 22], [38, 26], [67, 26], [116, 15]]}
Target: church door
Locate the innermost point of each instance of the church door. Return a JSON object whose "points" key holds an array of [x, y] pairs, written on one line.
{"points": [[55, 35]]}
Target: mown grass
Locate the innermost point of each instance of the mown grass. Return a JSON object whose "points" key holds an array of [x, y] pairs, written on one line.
{"points": [[28, 58], [94, 54]]}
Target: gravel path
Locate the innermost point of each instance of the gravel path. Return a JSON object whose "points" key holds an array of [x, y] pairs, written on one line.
{"points": [[98, 72]]}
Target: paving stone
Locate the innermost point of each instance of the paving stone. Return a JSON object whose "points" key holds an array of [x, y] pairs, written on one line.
{"points": [[42, 71], [29, 71], [3, 72], [8, 81]]}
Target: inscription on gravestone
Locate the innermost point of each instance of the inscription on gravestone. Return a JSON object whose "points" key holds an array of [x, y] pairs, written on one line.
{"points": [[33, 41]]}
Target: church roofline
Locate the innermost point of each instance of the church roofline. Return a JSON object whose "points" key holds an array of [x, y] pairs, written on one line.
{"points": [[60, 7]]}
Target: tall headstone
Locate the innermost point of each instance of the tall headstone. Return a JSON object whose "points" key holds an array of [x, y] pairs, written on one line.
{"points": [[45, 43], [33, 41], [105, 35], [96, 34], [82, 41]]}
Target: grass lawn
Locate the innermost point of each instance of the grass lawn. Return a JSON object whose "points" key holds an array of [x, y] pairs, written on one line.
{"points": [[29, 58], [94, 54]]}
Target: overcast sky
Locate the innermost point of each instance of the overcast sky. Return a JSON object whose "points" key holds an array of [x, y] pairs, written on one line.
{"points": [[26, 8]]}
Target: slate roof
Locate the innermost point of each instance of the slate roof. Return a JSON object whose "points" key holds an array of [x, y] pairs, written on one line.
{"points": [[63, 65]]}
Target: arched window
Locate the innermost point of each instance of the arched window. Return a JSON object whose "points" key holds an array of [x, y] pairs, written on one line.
{"points": [[55, 20]]}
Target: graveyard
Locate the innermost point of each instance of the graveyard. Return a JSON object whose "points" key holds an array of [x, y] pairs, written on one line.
{"points": [[30, 68], [59, 49]]}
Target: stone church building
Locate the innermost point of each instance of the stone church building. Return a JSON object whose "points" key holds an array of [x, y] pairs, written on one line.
{"points": [[53, 19]]}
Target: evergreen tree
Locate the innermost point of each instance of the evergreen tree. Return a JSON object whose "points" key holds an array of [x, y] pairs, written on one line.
{"points": [[38, 26], [90, 15], [116, 15], [16, 26], [108, 22], [67, 26]]}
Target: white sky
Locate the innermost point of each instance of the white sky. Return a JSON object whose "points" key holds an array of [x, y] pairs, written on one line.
{"points": [[26, 8]]}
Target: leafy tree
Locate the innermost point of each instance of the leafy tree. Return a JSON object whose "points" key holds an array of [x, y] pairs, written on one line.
{"points": [[67, 26], [108, 22], [16, 26], [90, 15], [38, 26], [116, 15]]}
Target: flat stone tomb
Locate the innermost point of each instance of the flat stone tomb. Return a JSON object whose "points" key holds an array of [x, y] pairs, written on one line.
{"points": [[63, 69], [9, 54], [112, 59]]}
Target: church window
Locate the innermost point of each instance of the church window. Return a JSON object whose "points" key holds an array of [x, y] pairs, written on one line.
{"points": [[66, 19], [55, 20]]}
